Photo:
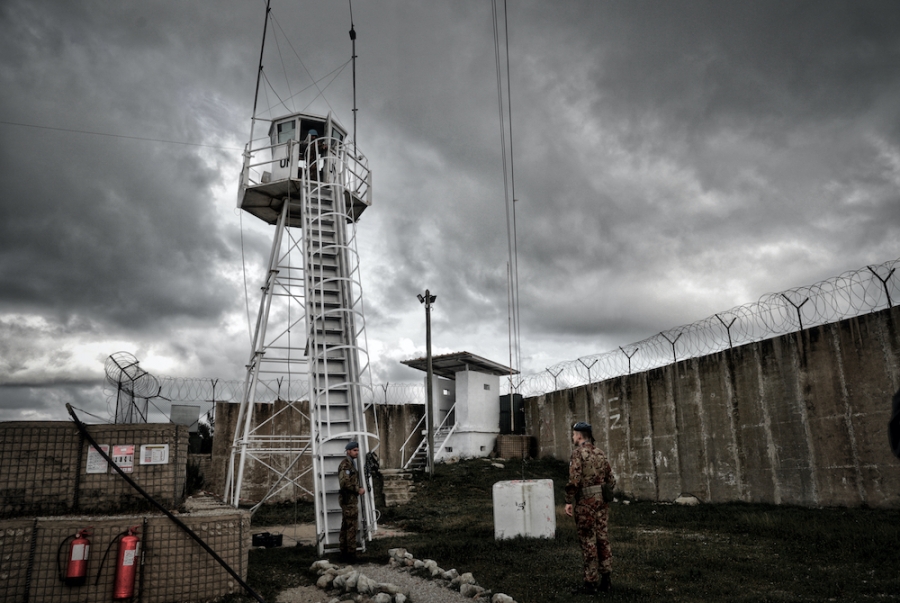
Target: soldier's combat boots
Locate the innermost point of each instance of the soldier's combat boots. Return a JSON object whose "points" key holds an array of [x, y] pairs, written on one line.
{"points": [[587, 588], [605, 583], [347, 557]]}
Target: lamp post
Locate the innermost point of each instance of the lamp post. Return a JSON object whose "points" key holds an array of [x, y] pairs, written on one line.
{"points": [[428, 299]]}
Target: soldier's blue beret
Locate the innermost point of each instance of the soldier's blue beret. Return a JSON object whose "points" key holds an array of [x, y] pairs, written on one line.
{"points": [[351, 445]]}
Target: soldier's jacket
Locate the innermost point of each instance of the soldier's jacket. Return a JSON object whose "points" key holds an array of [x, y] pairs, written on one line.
{"points": [[588, 466], [348, 477]]}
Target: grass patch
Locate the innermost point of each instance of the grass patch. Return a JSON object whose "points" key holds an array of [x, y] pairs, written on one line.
{"points": [[739, 552]]}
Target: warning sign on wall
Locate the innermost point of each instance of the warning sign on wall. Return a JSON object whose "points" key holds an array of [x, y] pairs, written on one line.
{"points": [[154, 454], [95, 462], [123, 456]]}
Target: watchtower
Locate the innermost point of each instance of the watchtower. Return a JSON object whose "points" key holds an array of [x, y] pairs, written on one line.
{"points": [[312, 183]]}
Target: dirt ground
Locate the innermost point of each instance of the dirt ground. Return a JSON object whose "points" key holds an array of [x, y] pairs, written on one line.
{"points": [[303, 594], [305, 533]]}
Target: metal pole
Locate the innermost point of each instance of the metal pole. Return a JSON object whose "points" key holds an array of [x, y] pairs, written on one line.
{"points": [[262, 49], [353, 56], [428, 378]]}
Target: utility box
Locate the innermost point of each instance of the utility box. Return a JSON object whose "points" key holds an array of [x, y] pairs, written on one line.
{"points": [[267, 540], [524, 508]]}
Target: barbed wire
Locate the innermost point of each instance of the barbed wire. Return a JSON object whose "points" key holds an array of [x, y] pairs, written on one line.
{"points": [[400, 393], [189, 389], [850, 294], [853, 293], [183, 389]]}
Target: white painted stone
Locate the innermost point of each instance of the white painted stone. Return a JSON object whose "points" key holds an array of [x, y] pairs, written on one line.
{"points": [[325, 581], [470, 590]]}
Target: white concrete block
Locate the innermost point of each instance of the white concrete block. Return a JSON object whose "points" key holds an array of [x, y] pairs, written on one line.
{"points": [[524, 508]]}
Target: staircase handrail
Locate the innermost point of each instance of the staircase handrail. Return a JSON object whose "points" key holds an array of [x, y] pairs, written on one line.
{"points": [[424, 443], [450, 432], [408, 438], [449, 414]]}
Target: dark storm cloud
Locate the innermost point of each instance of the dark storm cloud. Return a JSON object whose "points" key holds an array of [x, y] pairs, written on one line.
{"points": [[110, 242], [117, 228], [728, 124], [120, 245], [39, 403]]}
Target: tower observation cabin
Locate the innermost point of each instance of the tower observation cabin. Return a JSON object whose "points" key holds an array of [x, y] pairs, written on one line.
{"points": [[308, 179], [302, 147]]}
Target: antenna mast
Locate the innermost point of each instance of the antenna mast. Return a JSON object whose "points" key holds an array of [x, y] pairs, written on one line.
{"points": [[262, 49], [353, 57]]}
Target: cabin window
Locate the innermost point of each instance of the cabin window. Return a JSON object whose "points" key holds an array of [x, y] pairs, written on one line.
{"points": [[337, 134], [286, 131], [308, 124]]}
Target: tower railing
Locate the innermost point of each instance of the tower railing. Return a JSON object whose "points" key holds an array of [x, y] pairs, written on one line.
{"points": [[352, 167]]}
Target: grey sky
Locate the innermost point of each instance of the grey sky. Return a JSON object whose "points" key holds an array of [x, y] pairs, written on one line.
{"points": [[672, 160]]}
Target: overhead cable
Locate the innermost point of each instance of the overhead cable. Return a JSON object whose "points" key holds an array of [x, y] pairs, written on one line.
{"points": [[508, 183], [143, 138]]}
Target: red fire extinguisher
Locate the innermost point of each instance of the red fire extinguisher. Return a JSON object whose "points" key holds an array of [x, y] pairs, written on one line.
{"points": [[126, 564], [76, 566]]}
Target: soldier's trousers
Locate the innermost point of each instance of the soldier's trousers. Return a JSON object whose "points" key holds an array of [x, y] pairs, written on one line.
{"points": [[591, 520], [349, 527]]}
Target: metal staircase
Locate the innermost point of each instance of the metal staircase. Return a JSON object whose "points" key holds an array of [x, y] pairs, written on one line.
{"points": [[334, 313], [313, 294], [418, 460]]}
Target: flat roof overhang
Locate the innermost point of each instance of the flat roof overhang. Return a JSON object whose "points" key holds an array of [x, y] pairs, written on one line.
{"points": [[447, 365]]}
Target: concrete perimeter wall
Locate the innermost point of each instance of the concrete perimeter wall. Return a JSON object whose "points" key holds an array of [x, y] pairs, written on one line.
{"points": [[798, 419], [395, 423], [292, 420]]}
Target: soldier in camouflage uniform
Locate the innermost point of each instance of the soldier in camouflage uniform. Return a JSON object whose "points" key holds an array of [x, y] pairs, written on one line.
{"points": [[589, 470], [348, 475]]}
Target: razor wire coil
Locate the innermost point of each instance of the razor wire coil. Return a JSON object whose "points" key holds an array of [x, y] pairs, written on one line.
{"points": [[850, 294], [179, 389]]}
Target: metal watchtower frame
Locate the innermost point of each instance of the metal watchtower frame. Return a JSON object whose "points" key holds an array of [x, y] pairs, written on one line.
{"points": [[312, 184]]}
